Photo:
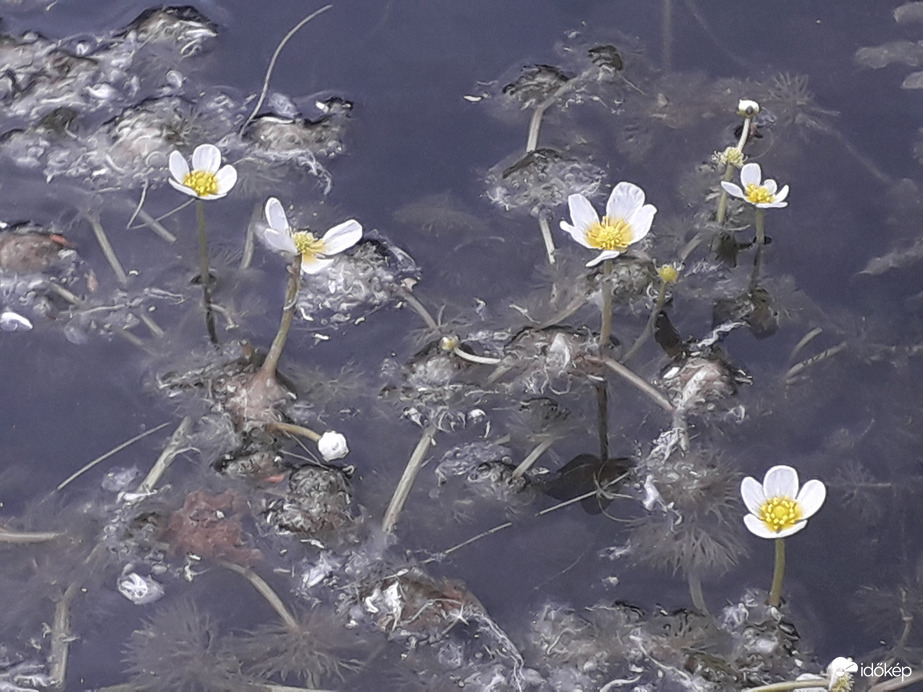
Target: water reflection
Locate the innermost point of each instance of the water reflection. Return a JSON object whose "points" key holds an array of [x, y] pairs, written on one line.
{"points": [[542, 489]]}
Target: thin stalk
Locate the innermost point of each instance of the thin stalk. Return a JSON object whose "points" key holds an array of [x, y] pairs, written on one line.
{"points": [[174, 446], [605, 327], [203, 273], [61, 636], [268, 369], [272, 63], [294, 429], [729, 172], [267, 592], [778, 574], [246, 257], [154, 225], [108, 454], [106, 247], [695, 591], [532, 457], [17, 537], [420, 309], [760, 227], [792, 685], [635, 380], [473, 358], [547, 238], [649, 327], [602, 418], [414, 464]]}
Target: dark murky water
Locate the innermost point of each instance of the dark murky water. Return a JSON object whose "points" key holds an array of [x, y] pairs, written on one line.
{"points": [[412, 117]]}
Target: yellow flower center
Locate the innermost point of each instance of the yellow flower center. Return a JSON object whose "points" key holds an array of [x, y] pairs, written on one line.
{"points": [[780, 513], [610, 234], [307, 245], [203, 183], [757, 194]]}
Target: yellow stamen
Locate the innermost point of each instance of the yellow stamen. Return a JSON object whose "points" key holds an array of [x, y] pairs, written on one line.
{"points": [[307, 245], [610, 234], [203, 183], [780, 513], [757, 194]]}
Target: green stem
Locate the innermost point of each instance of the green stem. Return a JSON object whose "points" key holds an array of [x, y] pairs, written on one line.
{"points": [[269, 366], [778, 573], [760, 227], [649, 327], [414, 464], [792, 685], [605, 328], [203, 273]]}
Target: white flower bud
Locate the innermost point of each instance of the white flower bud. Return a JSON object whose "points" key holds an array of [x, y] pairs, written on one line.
{"points": [[332, 445]]}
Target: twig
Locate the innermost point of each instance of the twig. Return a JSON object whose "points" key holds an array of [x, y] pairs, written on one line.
{"points": [[107, 249], [108, 454], [634, 379], [28, 536], [272, 63], [414, 464]]}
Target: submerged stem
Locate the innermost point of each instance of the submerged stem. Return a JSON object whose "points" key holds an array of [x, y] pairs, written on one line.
{"points": [[414, 464], [649, 327], [532, 457], [547, 238], [268, 369], [636, 380], [778, 574], [203, 273], [267, 592]]}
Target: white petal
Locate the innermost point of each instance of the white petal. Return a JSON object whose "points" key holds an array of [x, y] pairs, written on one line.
{"points": [[811, 497], [751, 174], [578, 234], [781, 481], [227, 178], [275, 216], [179, 169], [781, 194], [341, 237], [625, 200], [206, 157], [785, 533], [758, 528], [314, 265], [602, 256], [582, 213], [751, 490], [280, 240], [641, 221], [772, 205], [182, 188], [770, 186], [733, 189]]}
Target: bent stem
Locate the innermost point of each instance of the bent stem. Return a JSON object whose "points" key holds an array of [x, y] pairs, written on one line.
{"points": [[294, 429], [414, 464], [635, 380], [203, 273], [268, 369], [729, 172], [649, 327], [778, 573], [267, 592]]}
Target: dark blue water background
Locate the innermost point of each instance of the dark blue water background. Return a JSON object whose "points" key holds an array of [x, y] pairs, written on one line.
{"points": [[415, 160]]}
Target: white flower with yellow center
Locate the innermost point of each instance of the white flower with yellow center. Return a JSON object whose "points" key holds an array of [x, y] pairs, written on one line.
{"points": [[778, 507], [763, 194], [627, 220], [208, 179], [316, 253]]}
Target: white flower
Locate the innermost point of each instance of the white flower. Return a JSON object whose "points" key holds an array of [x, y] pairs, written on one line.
{"points": [[838, 679], [747, 108], [332, 445], [315, 252], [758, 192], [208, 179], [777, 507], [627, 220]]}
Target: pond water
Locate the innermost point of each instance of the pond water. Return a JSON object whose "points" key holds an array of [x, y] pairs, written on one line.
{"points": [[619, 558]]}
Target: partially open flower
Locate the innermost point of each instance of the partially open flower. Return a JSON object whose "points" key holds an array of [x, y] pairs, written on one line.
{"points": [[208, 179], [838, 679], [332, 445], [753, 189], [747, 108], [778, 508], [627, 220], [316, 253]]}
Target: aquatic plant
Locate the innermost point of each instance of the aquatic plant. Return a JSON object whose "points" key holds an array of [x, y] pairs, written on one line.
{"points": [[779, 508]]}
